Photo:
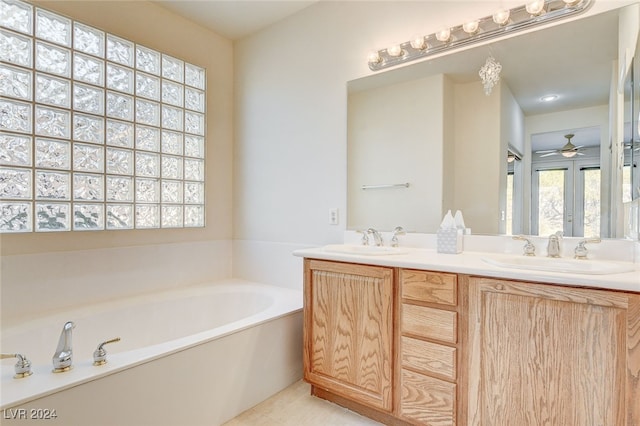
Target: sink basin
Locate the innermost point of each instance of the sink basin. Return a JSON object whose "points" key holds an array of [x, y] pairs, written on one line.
{"points": [[567, 266], [364, 250]]}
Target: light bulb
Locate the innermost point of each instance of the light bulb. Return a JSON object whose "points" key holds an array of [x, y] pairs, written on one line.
{"points": [[535, 7], [418, 42], [373, 57], [501, 17], [394, 50], [443, 35], [470, 27]]}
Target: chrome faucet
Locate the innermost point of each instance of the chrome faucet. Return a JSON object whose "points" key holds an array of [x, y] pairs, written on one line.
{"points": [[554, 247], [376, 236], [64, 353], [22, 367], [529, 248]]}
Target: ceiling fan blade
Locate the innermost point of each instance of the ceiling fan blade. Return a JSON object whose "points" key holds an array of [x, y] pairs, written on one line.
{"points": [[579, 146], [551, 153], [546, 150]]}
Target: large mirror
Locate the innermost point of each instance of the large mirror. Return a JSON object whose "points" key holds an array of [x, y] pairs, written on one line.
{"points": [[425, 138]]}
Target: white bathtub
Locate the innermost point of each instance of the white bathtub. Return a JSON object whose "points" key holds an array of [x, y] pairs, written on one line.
{"points": [[197, 355]]}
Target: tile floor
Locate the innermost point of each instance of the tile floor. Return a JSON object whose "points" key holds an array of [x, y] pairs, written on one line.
{"points": [[294, 406]]}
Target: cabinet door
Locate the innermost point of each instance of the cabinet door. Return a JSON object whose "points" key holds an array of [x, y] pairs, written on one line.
{"points": [[348, 330], [542, 354]]}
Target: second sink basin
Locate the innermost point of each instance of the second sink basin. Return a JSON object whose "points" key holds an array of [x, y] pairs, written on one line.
{"points": [[567, 266], [364, 250]]}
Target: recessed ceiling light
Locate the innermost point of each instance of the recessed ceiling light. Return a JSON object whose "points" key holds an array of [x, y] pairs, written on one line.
{"points": [[549, 98]]}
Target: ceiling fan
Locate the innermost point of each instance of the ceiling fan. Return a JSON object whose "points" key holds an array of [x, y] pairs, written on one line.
{"points": [[568, 150]]}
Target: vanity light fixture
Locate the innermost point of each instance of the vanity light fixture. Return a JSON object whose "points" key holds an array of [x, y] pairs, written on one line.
{"points": [[501, 23]]}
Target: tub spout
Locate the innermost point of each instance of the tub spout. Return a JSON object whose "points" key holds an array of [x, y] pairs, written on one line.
{"points": [[63, 357]]}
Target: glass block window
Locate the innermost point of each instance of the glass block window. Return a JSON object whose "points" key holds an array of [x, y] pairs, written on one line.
{"points": [[96, 132]]}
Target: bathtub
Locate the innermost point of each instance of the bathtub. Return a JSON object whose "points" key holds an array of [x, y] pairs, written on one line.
{"points": [[197, 355]]}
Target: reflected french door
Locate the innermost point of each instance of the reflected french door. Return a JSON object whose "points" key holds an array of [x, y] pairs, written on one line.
{"points": [[566, 197]]}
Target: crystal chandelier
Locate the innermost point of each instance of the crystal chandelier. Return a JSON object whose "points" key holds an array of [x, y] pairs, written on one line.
{"points": [[490, 74]]}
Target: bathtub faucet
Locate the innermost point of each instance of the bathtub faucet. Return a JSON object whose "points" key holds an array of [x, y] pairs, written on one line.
{"points": [[64, 353]]}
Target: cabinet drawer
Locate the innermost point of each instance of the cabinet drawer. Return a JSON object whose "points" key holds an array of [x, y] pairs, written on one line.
{"points": [[430, 323], [434, 287], [427, 400], [429, 358]]}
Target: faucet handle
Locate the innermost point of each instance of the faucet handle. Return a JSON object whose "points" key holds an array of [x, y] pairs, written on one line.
{"points": [[398, 231], [581, 251], [529, 247], [22, 367], [365, 237], [100, 354]]}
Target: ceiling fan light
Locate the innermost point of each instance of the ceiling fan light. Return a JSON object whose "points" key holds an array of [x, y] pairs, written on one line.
{"points": [[569, 154]]}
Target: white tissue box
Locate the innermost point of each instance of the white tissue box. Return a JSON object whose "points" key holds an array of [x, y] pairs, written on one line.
{"points": [[449, 241]]}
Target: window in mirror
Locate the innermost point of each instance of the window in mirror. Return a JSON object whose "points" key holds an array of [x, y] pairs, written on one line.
{"points": [[509, 204], [551, 200], [96, 132], [591, 178]]}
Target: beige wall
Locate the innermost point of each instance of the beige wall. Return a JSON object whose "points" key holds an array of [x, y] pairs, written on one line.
{"points": [[155, 27]]}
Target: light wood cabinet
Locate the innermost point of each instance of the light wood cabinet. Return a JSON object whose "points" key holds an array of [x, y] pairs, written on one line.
{"points": [[544, 354], [429, 338], [348, 333]]}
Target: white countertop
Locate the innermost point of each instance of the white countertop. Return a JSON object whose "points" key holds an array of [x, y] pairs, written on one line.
{"points": [[472, 263]]}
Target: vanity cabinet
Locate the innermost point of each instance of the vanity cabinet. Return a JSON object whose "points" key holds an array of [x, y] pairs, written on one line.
{"points": [[545, 354], [348, 331], [429, 338]]}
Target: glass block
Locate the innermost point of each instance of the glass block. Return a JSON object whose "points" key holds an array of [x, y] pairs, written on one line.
{"points": [[171, 167], [147, 60], [15, 183], [194, 192], [88, 99], [119, 134], [53, 28], [172, 93], [15, 82], [194, 76], [15, 150], [171, 142], [119, 188], [147, 216], [147, 190], [194, 216], [147, 86], [119, 78], [193, 99], [172, 68], [119, 216], [171, 192], [15, 217], [16, 15], [172, 216], [88, 217], [119, 106], [88, 129], [15, 49], [147, 164], [119, 50], [194, 146], [193, 169], [147, 112], [53, 91], [194, 123], [119, 161], [53, 217], [15, 116], [88, 187], [88, 158], [171, 118], [52, 59], [52, 122], [53, 154], [88, 40], [88, 69], [53, 185], [147, 138]]}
